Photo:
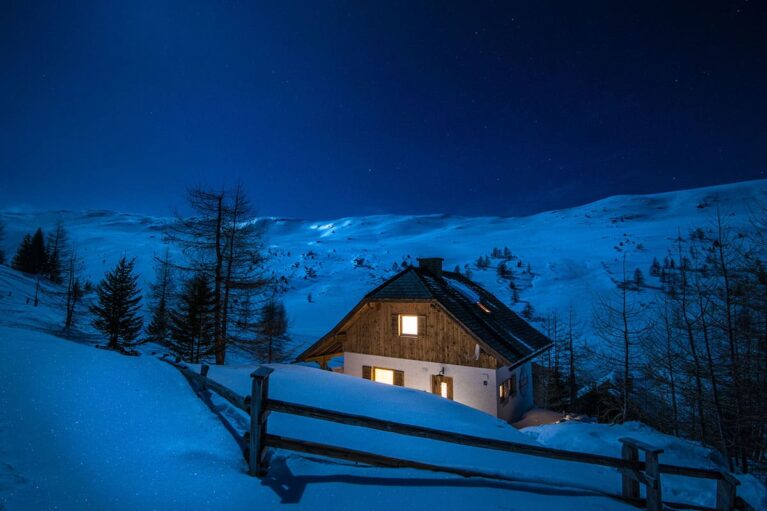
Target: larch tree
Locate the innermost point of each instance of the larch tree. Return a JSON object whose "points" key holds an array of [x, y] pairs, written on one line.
{"points": [[620, 320], [223, 240], [73, 266], [117, 309]]}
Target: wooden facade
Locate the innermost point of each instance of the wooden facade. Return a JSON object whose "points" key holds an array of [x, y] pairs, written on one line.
{"points": [[371, 330]]}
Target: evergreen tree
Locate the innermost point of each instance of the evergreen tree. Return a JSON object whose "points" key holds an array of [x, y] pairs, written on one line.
{"points": [[272, 330], [117, 309], [528, 312], [638, 278], [31, 256], [655, 269], [192, 325], [56, 253], [503, 271], [161, 292]]}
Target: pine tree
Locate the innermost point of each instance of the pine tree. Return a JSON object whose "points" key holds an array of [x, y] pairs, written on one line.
{"points": [[638, 278], [118, 307], [503, 271], [528, 312], [161, 292], [21, 261], [56, 253], [272, 330], [192, 325], [31, 256], [655, 269]]}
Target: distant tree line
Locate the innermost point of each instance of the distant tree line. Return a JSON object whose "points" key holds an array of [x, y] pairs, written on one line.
{"points": [[213, 298], [692, 360]]}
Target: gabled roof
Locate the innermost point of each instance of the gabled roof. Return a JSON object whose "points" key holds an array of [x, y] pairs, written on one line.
{"points": [[495, 327]]}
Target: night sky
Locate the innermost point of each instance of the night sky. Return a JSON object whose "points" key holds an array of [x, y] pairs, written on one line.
{"points": [[327, 109]]}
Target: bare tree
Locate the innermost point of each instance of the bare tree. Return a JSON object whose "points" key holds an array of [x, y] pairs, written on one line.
{"points": [[620, 319], [223, 240], [74, 290]]}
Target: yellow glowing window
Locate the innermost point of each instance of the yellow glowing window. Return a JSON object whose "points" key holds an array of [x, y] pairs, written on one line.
{"points": [[408, 325], [383, 375], [443, 389]]}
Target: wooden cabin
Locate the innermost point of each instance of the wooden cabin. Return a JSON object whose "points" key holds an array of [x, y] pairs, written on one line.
{"points": [[437, 331]]}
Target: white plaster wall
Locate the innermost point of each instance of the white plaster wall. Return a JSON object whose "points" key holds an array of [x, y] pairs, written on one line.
{"points": [[472, 386], [513, 409]]}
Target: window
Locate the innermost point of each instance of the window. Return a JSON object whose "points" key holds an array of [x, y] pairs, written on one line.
{"points": [[442, 385], [508, 389], [383, 375], [408, 325]]}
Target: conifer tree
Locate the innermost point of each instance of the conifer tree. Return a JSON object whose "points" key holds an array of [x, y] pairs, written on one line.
{"points": [[192, 325], [272, 330], [31, 256], [118, 306], [56, 253], [161, 292]]}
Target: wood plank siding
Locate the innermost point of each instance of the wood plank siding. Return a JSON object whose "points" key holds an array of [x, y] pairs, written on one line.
{"points": [[373, 331]]}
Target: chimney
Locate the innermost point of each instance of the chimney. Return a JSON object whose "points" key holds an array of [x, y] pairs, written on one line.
{"points": [[431, 264]]}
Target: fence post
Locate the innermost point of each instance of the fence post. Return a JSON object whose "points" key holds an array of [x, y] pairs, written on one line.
{"points": [[726, 490], [652, 471], [258, 414], [204, 368], [650, 477], [629, 484]]}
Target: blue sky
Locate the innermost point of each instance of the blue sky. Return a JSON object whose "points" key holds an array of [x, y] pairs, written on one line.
{"points": [[327, 109]]}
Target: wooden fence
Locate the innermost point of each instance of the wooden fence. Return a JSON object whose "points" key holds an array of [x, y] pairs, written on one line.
{"points": [[634, 472]]}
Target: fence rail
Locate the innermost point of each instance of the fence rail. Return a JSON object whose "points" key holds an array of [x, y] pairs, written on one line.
{"points": [[634, 472]]}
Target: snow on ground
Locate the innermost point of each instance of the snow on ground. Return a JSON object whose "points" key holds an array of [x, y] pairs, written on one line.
{"points": [[604, 439], [574, 253], [84, 428]]}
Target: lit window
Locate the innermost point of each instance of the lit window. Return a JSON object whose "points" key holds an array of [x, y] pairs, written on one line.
{"points": [[383, 375], [408, 325], [443, 389]]}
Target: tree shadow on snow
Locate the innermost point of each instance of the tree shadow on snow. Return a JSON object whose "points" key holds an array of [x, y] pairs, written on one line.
{"points": [[290, 488]]}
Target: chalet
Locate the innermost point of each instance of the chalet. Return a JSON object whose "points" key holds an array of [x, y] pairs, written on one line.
{"points": [[439, 332]]}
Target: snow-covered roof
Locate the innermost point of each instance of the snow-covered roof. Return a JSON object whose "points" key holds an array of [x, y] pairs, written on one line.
{"points": [[496, 327]]}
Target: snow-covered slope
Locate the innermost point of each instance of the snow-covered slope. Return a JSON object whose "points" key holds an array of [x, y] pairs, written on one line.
{"points": [[573, 253], [85, 428]]}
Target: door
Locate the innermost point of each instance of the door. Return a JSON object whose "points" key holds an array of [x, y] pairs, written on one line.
{"points": [[442, 386]]}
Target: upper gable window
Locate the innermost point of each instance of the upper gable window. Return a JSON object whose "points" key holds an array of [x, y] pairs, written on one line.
{"points": [[408, 325]]}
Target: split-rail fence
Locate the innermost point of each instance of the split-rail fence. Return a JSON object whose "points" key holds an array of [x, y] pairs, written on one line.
{"points": [[634, 471]]}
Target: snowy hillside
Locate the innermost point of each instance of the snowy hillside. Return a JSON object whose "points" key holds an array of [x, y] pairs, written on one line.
{"points": [[85, 428], [573, 254]]}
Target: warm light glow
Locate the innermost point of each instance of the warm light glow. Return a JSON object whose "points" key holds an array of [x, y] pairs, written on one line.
{"points": [[383, 375], [408, 325], [443, 389]]}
